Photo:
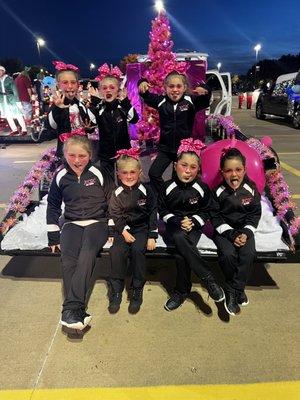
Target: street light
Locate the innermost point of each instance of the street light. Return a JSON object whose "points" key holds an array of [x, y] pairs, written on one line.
{"points": [[219, 65], [257, 48], [40, 42], [92, 66], [159, 6]]}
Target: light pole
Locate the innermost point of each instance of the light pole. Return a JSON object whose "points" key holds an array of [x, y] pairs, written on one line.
{"points": [[257, 48], [219, 65], [40, 42]]}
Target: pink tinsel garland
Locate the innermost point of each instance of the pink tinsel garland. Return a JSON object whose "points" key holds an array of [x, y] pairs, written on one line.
{"points": [[21, 197]]}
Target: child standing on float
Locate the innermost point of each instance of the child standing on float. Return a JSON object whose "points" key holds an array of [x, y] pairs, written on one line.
{"points": [[185, 204], [113, 112], [85, 192], [235, 223], [133, 209], [68, 115], [177, 112]]}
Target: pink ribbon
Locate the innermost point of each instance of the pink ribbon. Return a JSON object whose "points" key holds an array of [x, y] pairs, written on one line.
{"points": [[133, 152], [105, 71], [61, 66], [65, 136], [190, 145]]}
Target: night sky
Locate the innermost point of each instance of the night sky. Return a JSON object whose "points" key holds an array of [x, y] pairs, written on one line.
{"points": [[82, 32]]}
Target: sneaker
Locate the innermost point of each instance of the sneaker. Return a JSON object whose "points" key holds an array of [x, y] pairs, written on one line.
{"points": [[175, 301], [214, 290], [136, 301], [242, 299], [231, 304], [86, 318], [115, 300], [72, 319]]}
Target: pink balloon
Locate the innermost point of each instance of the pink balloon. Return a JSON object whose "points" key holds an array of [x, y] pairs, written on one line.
{"points": [[210, 163]]}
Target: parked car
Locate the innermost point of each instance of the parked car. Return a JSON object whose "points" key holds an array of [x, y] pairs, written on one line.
{"points": [[276, 101]]}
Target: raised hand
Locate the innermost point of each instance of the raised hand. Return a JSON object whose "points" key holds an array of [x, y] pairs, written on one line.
{"points": [[144, 87], [58, 99]]}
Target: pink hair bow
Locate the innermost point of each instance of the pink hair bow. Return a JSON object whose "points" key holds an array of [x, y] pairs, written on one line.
{"points": [[65, 136], [190, 145], [61, 66], [105, 71], [231, 145], [133, 152]]}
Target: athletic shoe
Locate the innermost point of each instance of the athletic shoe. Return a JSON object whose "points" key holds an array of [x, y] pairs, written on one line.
{"points": [[72, 319], [231, 304], [136, 300], [115, 300], [214, 290], [175, 301], [242, 299]]}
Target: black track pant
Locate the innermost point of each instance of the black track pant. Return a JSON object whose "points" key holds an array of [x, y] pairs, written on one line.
{"points": [[158, 167], [235, 262], [79, 248], [119, 253], [188, 258]]}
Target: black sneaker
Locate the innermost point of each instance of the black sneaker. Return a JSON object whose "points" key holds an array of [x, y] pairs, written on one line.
{"points": [[72, 319], [231, 304], [86, 318], [175, 301], [136, 301], [242, 299], [214, 290], [115, 300]]}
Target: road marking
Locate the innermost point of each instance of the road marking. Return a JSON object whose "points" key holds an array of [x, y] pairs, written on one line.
{"points": [[287, 154], [295, 196], [259, 391], [3, 205], [24, 161], [290, 169]]}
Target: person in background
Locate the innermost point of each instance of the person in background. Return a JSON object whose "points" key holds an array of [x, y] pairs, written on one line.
{"points": [[10, 105], [25, 91]]}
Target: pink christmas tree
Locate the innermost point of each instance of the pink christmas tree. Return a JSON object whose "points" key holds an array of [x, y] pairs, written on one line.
{"points": [[162, 62]]}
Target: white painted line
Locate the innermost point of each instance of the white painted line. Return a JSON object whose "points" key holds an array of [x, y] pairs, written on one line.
{"points": [[24, 161]]}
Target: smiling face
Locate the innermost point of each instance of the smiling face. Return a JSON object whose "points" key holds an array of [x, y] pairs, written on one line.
{"points": [[109, 89], [77, 157], [175, 87], [187, 167], [233, 172], [129, 172], [68, 83]]}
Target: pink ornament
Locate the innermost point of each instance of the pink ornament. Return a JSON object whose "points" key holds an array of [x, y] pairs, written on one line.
{"points": [[61, 66], [210, 163]]}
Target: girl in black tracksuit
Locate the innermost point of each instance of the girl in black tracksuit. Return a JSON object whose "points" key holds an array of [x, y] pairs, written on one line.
{"points": [[85, 192], [68, 113], [235, 222], [133, 209], [184, 205], [113, 114], [177, 112]]}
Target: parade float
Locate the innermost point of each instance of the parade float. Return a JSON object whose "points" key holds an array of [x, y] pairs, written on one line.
{"points": [[23, 229]]}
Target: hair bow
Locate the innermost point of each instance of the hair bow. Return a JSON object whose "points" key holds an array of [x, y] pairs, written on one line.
{"points": [[231, 145], [190, 145], [105, 71], [133, 152], [61, 66], [63, 137]]}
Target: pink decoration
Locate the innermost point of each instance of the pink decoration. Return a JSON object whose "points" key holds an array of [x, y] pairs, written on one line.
{"points": [[105, 71], [190, 145], [65, 136], [210, 161], [134, 152], [266, 141], [61, 66], [231, 145], [226, 122]]}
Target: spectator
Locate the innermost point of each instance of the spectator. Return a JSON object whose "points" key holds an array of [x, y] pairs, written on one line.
{"points": [[25, 89]]}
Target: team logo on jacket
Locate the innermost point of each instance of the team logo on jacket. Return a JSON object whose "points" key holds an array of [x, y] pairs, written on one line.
{"points": [[119, 120], [193, 200], [141, 202], [183, 107], [246, 201], [89, 182]]}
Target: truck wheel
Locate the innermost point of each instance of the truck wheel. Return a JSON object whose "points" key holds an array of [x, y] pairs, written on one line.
{"points": [[259, 111], [296, 121]]}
